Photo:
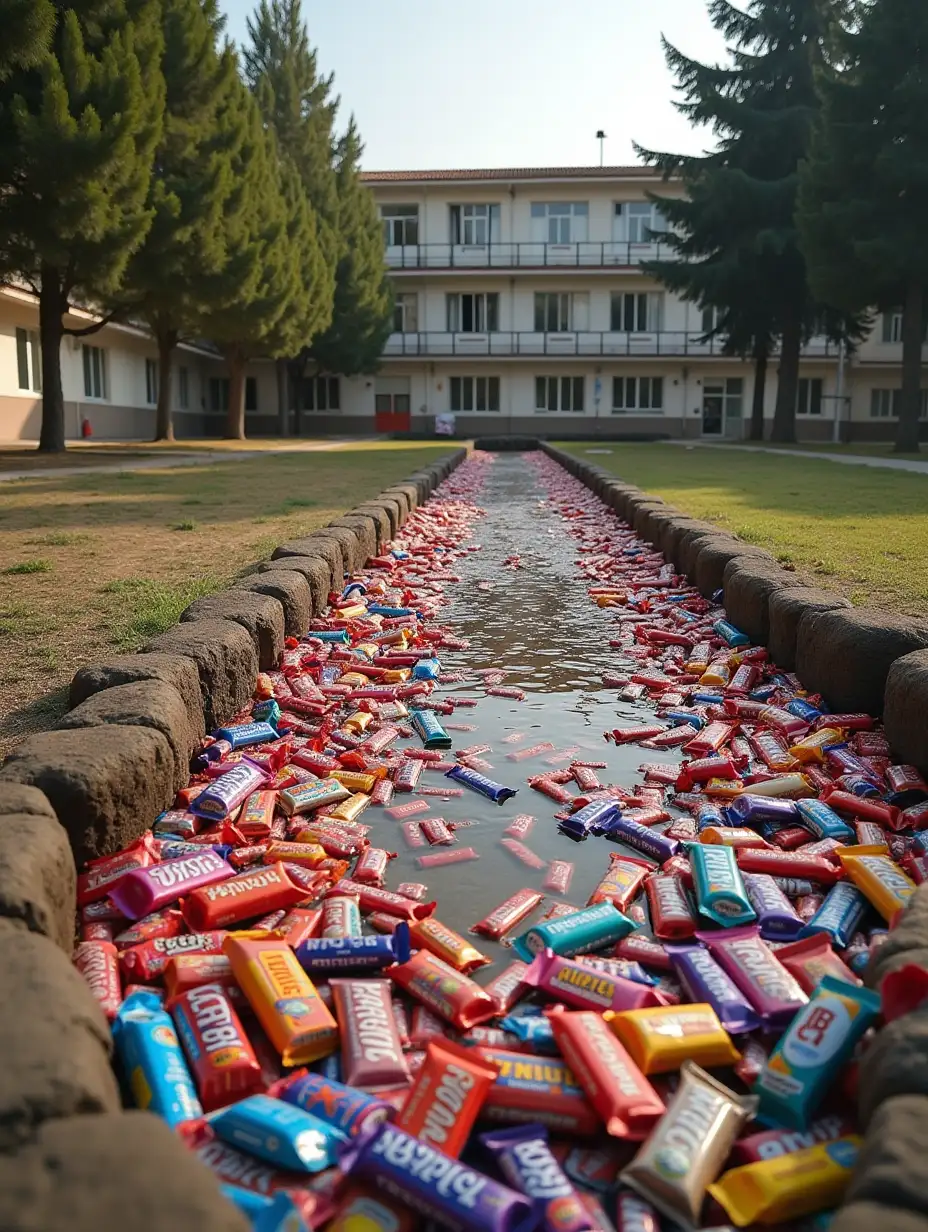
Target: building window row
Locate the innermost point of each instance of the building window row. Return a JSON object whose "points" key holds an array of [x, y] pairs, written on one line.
{"points": [[474, 393], [552, 222], [555, 312], [884, 403]]}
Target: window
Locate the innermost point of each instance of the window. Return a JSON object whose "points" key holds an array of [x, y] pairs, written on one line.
{"points": [[473, 314], [637, 312], [711, 319], [560, 222], [892, 326], [400, 225], [474, 224], [884, 403], [218, 393], [151, 381], [321, 393], [558, 393], [634, 221], [29, 360], [251, 393], [94, 372], [559, 312], [809, 396], [406, 313], [474, 393], [183, 389], [637, 393]]}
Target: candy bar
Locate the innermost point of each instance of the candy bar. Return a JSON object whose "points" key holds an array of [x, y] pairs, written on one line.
{"points": [[372, 1055], [446, 1096]]}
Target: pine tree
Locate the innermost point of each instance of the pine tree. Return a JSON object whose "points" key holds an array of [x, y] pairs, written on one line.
{"points": [[741, 219], [26, 30], [167, 278], [77, 137], [863, 197]]}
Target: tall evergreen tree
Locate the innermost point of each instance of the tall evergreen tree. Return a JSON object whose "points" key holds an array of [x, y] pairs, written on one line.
{"points": [[25, 33], [77, 137], [761, 108], [168, 276], [863, 196]]}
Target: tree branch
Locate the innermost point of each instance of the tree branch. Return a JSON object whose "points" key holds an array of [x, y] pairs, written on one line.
{"points": [[90, 329]]}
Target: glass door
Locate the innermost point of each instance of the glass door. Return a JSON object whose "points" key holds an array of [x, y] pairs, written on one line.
{"points": [[713, 410]]}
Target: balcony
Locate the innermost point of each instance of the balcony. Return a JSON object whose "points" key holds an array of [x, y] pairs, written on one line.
{"points": [[604, 344], [587, 254]]}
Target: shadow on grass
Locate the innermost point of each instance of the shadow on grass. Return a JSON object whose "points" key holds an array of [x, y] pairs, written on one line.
{"points": [[35, 716]]}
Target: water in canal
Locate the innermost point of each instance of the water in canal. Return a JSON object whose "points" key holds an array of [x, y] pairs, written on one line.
{"points": [[537, 624]]}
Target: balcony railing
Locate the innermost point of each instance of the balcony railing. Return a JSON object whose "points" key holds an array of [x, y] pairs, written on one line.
{"points": [[591, 254], [606, 344]]}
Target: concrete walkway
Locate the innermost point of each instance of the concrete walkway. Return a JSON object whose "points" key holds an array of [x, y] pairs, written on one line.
{"points": [[167, 460], [855, 459]]}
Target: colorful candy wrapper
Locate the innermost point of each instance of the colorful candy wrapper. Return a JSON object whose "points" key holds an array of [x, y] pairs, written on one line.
{"points": [[427, 727], [283, 998], [839, 916], [522, 853], [523, 1156], [446, 1096], [577, 933], [776, 916], [151, 1060], [621, 883], [721, 895], [508, 914], [772, 1143], [448, 945], [808, 1058], [451, 994], [280, 1133], [359, 1210], [625, 1100], [372, 1055], [437, 831], [810, 959], [370, 952], [879, 878], [240, 898], [144, 890], [633, 1214], [305, 797], [222, 797], [346, 1108], [823, 821], [218, 1050], [671, 916], [789, 1186], [371, 898], [688, 1147], [585, 987], [755, 969], [589, 819], [479, 783], [341, 916], [543, 1089], [558, 878], [507, 988], [460, 855], [637, 836], [98, 964], [704, 980], [661, 1039], [435, 1185]]}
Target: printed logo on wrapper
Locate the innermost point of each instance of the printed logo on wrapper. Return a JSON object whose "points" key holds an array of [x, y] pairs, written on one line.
{"points": [[685, 1136], [843, 1153], [818, 1034], [293, 1007]]}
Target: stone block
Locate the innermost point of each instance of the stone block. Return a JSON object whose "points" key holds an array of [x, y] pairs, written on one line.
{"points": [[786, 609], [225, 659], [291, 590], [261, 616]]}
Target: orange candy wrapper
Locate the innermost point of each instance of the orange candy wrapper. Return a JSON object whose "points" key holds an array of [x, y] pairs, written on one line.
{"points": [[284, 999], [431, 934], [447, 1096], [240, 898]]}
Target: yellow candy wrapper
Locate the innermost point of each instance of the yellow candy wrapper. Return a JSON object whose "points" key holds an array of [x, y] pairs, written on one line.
{"points": [[355, 780], [794, 786], [357, 722], [352, 808], [878, 877], [812, 747], [661, 1038], [789, 1186]]}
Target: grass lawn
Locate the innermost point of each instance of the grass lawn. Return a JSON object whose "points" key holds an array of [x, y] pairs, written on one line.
{"points": [[93, 565], [860, 531]]}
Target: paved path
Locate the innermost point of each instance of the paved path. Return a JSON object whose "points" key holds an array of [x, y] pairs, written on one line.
{"points": [[855, 459], [170, 460]]}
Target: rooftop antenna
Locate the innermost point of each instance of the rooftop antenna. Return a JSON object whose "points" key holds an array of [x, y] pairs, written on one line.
{"points": [[600, 137]]}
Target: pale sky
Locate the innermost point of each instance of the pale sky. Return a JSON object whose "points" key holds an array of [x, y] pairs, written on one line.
{"points": [[505, 83]]}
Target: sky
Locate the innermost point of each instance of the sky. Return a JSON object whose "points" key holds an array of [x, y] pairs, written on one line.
{"points": [[505, 83]]}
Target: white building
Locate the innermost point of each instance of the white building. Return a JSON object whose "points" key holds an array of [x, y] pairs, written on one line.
{"points": [[521, 308]]}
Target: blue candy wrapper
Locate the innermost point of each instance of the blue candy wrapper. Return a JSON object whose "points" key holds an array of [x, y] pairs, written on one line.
{"points": [[803, 710], [267, 711], [280, 1133], [839, 915], [641, 838], [776, 915], [721, 895], [427, 727], [823, 821], [480, 783], [591, 818], [577, 933], [748, 810], [534, 1031], [151, 1059], [245, 734], [348, 1109], [277, 1213], [369, 952], [426, 669], [730, 635]]}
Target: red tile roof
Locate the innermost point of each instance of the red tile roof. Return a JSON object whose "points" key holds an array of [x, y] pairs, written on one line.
{"points": [[507, 173]]}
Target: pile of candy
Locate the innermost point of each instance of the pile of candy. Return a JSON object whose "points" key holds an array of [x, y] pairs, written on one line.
{"points": [[330, 1074]]}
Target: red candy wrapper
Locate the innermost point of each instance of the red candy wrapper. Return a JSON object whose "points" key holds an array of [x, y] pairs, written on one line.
{"points": [[508, 914], [146, 963], [371, 867], [219, 1052], [416, 890], [194, 970], [372, 1054], [436, 831], [239, 898], [460, 855], [372, 899], [446, 1096], [671, 917], [449, 993], [98, 964], [520, 826], [412, 833], [559, 876], [622, 882], [507, 987], [522, 853]]}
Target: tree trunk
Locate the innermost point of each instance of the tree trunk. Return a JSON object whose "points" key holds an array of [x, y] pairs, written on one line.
{"points": [[235, 418], [283, 397], [164, 419], [910, 400], [784, 416], [51, 331], [760, 389], [298, 401]]}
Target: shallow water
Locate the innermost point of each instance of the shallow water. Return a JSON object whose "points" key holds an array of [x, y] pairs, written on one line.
{"points": [[538, 624]]}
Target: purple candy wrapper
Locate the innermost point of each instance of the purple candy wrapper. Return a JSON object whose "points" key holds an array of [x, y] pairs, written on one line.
{"points": [[776, 915], [704, 980], [434, 1185], [754, 968], [480, 783], [228, 791], [595, 816], [649, 842], [524, 1158], [748, 810]]}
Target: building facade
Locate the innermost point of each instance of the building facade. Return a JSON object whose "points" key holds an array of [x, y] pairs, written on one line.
{"points": [[522, 308]]}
